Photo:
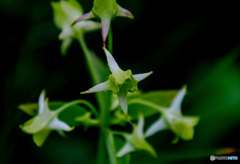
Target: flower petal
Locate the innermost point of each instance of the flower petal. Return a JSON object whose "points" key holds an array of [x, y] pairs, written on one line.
{"points": [[56, 124], [141, 76], [176, 103], [122, 99], [156, 127], [105, 29], [98, 88], [127, 148], [86, 16], [41, 101], [124, 12], [117, 72], [140, 126], [40, 137]]}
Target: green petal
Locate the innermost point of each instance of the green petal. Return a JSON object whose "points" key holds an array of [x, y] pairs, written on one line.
{"points": [[65, 45], [122, 99], [40, 137]]}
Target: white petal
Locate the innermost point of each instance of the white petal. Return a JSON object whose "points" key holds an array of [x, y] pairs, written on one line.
{"points": [[122, 99], [176, 103], [156, 127], [98, 88], [115, 69], [141, 76], [127, 148], [56, 124], [140, 126], [41, 102]]}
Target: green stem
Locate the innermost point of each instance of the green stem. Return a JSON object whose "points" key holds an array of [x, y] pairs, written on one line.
{"points": [[149, 104], [110, 40], [89, 105], [101, 99]]}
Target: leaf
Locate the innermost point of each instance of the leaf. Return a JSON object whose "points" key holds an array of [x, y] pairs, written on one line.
{"points": [[70, 114]]}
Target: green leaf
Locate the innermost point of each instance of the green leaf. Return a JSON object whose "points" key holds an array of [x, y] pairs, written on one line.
{"points": [[70, 114]]}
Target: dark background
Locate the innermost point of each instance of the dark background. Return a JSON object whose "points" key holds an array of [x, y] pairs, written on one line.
{"points": [[193, 43]]}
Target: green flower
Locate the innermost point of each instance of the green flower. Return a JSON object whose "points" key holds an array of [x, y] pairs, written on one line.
{"points": [[65, 12], [172, 118], [105, 10], [44, 122], [135, 141], [119, 82]]}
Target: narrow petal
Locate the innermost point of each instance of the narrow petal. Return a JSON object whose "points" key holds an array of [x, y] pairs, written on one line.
{"points": [[176, 103], [141, 76], [124, 13], [41, 101], [34, 125], [117, 72], [122, 98], [86, 16], [140, 126], [56, 124], [98, 88], [105, 29], [156, 127], [127, 148]]}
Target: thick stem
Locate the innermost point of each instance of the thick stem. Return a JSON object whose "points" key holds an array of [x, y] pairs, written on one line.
{"points": [[101, 99]]}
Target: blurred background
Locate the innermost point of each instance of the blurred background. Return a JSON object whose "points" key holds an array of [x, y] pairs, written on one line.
{"points": [[194, 44]]}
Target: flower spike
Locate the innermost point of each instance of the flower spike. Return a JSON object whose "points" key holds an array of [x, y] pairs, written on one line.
{"points": [[119, 82], [105, 11]]}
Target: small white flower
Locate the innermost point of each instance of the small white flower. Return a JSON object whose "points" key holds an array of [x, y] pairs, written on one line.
{"points": [[136, 141], [65, 12], [172, 118], [120, 82], [44, 122]]}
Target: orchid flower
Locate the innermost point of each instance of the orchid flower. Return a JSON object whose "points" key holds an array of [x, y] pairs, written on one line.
{"points": [[119, 82], [65, 12], [44, 122], [105, 10], [173, 119], [136, 140]]}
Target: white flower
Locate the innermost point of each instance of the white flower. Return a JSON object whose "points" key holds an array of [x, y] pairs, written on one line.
{"points": [[44, 122], [120, 82], [65, 12], [135, 141], [172, 118]]}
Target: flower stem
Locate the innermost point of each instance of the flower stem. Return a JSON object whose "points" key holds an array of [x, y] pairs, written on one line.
{"points": [[89, 105], [149, 104], [102, 99], [110, 40]]}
